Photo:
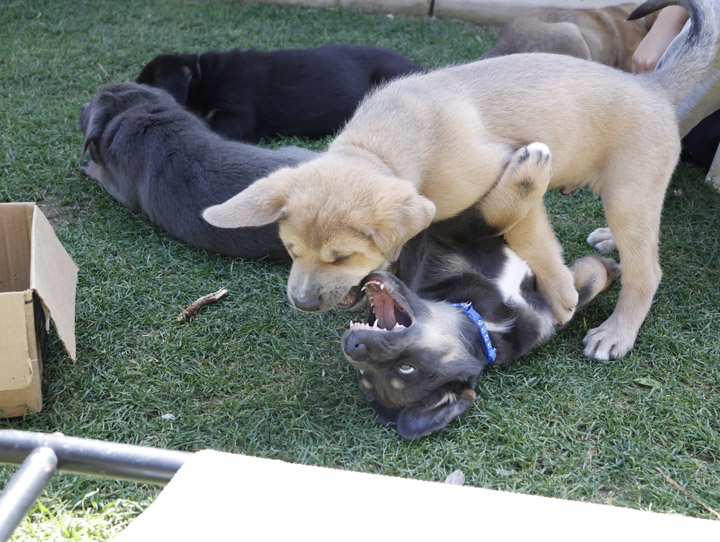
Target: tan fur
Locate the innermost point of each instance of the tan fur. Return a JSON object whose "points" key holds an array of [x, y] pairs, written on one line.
{"points": [[593, 275], [445, 139], [602, 35]]}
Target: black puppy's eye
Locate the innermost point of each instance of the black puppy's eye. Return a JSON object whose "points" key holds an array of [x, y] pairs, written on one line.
{"points": [[406, 369]]}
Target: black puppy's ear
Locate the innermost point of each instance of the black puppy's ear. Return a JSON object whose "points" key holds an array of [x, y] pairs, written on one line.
{"points": [[417, 421], [172, 73], [177, 83]]}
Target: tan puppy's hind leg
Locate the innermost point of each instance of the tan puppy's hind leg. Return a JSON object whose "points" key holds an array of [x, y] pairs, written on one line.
{"points": [[534, 241], [522, 184], [635, 228]]}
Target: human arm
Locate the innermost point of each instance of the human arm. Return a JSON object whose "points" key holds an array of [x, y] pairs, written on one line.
{"points": [[668, 25]]}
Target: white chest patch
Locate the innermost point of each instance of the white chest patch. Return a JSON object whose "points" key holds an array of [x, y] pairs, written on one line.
{"points": [[515, 271]]}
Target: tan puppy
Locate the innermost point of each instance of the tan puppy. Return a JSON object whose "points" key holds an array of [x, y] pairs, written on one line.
{"points": [[426, 147], [603, 35]]}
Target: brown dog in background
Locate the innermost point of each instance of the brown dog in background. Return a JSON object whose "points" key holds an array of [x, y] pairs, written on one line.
{"points": [[603, 35]]}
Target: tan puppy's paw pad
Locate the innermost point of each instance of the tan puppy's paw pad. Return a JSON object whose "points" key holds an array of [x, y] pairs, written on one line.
{"points": [[602, 240], [605, 343]]}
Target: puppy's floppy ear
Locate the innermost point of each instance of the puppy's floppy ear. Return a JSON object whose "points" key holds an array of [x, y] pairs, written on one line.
{"points": [[443, 407], [93, 119], [91, 136], [395, 224], [259, 204], [172, 73]]}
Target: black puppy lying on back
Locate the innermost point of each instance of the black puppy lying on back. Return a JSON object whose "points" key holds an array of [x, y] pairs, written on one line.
{"points": [[247, 95], [152, 155], [419, 355]]}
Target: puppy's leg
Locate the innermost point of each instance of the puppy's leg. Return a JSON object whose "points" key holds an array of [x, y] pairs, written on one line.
{"points": [[522, 184], [89, 168], [533, 240], [593, 274], [515, 207], [633, 213]]}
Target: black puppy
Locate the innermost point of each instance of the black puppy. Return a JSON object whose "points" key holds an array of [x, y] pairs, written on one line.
{"points": [[152, 155], [421, 349], [247, 95]]}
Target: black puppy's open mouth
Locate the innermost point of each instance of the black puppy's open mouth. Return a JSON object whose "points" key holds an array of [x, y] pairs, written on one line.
{"points": [[386, 309]]}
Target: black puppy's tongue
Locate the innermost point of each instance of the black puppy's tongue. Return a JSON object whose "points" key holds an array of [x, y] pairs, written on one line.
{"points": [[385, 311]]}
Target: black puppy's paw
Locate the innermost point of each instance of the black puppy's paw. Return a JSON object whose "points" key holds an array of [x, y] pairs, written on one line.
{"points": [[91, 169]]}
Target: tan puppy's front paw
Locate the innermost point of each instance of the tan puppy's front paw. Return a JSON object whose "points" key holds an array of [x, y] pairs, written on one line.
{"points": [[529, 171], [561, 296], [521, 186], [602, 240], [608, 341]]}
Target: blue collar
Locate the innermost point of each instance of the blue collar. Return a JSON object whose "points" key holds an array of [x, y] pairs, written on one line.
{"points": [[488, 349]]}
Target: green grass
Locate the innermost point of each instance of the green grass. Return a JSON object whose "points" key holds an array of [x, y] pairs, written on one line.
{"points": [[252, 376]]}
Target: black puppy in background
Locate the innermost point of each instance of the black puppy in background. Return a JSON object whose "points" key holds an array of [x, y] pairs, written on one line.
{"points": [[248, 95], [152, 155]]}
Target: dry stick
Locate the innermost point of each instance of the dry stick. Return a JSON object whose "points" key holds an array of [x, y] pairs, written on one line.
{"points": [[107, 75], [685, 491], [195, 306]]}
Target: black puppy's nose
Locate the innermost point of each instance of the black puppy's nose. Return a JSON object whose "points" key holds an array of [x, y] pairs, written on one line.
{"points": [[306, 303], [353, 347]]}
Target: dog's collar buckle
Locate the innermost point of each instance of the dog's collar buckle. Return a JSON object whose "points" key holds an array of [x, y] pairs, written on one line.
{"points": [[488, 349]]}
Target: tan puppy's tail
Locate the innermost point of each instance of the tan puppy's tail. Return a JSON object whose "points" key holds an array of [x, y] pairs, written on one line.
{"points": [[690, 70]]}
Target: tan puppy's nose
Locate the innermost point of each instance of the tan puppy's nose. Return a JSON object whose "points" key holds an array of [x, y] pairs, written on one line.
{"points": [[306, 303]]}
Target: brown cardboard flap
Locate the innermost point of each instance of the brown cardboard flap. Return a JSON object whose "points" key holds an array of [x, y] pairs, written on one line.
{"points": [[16, 373], [54, 278]]}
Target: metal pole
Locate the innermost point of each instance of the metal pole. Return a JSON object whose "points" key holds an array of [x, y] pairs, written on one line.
{"points": [[95, 457], [24, 487]]}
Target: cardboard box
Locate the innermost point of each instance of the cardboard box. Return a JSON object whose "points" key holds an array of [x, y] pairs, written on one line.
{"points": [[38, 280]]}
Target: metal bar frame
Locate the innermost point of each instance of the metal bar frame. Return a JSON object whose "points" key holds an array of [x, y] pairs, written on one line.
{"points": [[42, 454]]}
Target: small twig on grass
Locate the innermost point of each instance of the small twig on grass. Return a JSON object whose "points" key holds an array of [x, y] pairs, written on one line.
{"points": [[686, 492], [198, 304], [105, 73]]}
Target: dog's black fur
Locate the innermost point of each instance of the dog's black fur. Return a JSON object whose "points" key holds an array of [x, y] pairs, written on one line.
{"points": [[422, 376], [247, 95], [152, 155]]}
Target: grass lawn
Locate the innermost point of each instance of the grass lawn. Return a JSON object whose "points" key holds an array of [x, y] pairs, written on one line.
{"points": [[251, 375]]}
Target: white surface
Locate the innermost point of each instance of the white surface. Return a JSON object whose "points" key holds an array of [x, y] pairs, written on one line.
{"points": [[217, 496]]}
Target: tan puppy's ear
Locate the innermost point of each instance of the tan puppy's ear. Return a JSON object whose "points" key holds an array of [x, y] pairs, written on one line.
{"points": [[259, 204], [396, 224]]}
